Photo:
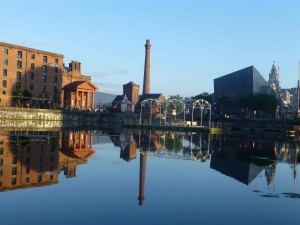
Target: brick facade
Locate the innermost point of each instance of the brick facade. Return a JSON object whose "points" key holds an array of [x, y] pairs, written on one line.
{"points": [[37, 71], [42, 73]]}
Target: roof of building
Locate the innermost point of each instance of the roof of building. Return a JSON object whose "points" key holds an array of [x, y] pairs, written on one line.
{"points": [[150, 96], [66, 69], [83, 83], [121, 99], [30, 49], [131, 83], [241, 72]]}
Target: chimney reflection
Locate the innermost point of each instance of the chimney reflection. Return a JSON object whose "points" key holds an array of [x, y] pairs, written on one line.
{"points": [[143, 162]]}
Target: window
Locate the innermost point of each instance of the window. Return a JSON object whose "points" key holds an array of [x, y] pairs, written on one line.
{"points": [[3, 92], [18, 75], [13, 181], [4, 83], [32, 56], [55, 79], [5, 51], [43, 89], [44, 78], [5, 72], [41, 149], [27, 179], [31, 86], [28, 160], [27, 170], [56, 69], [32, 66], [5, 62], [1, 173], [19, 54], [56, 60], [28, 149], [44, 68], [14, 160], [15, 151], [52, 158], [18, 85], [19, 64], [40, 168], [1, 162], [51, 177], [14, 171], [39, 178], [1, 151], [44, 59], [40, 159], [32, 76]]}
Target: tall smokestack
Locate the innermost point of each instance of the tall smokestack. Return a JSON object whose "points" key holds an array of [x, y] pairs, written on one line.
{"points": [[146, 86]]}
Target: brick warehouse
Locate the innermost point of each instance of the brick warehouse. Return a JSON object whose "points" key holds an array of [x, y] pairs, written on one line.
{"points": [[41, 73]]}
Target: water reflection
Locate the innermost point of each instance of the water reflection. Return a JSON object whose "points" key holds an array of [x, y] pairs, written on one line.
{"points": [[239, 157], [33, 159]]}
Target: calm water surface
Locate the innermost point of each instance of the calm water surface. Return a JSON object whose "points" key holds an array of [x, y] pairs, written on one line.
{"points": [[142, 177]]}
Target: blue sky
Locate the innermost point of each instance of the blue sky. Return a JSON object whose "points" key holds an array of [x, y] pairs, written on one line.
{"points": [[193, 41]]}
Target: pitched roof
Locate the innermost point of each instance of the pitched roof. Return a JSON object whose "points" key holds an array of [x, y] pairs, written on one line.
{"points": [[81, 84], [121, 98], [148, 96], [131, 83]]}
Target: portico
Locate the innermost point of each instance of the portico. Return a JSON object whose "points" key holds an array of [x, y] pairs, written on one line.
{"points": [[80, 95]]}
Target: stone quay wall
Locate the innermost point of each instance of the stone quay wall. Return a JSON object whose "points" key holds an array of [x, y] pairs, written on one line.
{"points": [[19, 118]]}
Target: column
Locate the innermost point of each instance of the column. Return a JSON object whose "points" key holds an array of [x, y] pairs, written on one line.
{"points": [[76, 97], [90, 136], [88, 100], [93, 99], [79, 139]]}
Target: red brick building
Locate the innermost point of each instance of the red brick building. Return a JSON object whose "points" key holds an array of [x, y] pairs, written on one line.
{"points": [[35, 78]]}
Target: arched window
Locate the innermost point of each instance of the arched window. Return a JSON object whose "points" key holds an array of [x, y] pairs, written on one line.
{"points": [[44, 68], [44, 59], [5, 62]]}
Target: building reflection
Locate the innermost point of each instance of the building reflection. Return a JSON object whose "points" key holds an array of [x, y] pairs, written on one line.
{"points": [[243, 159], [33, 159], [76, 148]]}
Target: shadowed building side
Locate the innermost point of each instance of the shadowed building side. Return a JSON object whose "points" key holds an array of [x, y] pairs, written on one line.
{"points": [[146, 86]]}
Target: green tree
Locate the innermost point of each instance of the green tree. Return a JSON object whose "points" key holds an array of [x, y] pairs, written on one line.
{"points": [[56, 97], [27, 95], [265, 103], [204, 95], [225, 101], [18, 96], [176, 97], [246, 101]]}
